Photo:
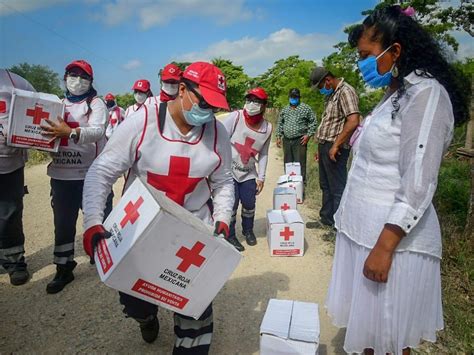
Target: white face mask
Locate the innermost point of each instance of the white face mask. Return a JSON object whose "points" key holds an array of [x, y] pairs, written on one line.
{"points": [[253, 108], [77, 86], [170, 89], [140, 97]]}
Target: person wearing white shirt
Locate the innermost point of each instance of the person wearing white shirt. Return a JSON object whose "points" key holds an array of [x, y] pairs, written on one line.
{"points": [[170, 129], [82, 133], [116, 115], [386, 284], [141, 92], [170, 76]]}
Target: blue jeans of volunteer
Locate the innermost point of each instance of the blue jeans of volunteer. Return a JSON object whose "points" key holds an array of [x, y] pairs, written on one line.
{"points": [[332, 180], [193, 337], [66, 200], [12, 239], [293, 151], [245, 192]]}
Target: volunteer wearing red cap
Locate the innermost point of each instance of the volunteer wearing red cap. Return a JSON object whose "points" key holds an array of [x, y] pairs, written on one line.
{"points": [[12, 178], [187, 136], [250, 136], [82, 133], [116, 115], [170, 78], [141, 92]]}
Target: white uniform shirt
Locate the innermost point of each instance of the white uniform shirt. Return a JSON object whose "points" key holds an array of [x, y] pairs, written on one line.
{"points": [[73, 159], [394, 172], [11, 158], [140, 147], [132, 109], [116, 116], [244, 156], [153, 100]]}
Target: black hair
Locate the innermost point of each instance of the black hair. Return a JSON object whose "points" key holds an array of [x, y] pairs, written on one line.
{"points": [[420, 53], [189, 83]]}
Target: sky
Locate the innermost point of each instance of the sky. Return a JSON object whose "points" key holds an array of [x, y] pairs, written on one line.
{"points": [[127, 40]]}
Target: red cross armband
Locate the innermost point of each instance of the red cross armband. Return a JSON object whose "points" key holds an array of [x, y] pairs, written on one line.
{"points": [[92, 237], [221, 230]]}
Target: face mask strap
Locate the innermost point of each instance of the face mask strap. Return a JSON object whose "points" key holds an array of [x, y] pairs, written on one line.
{"points": [[385, 51]]}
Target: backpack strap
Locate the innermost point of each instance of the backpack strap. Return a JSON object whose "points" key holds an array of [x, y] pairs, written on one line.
{"points": [[162, 115]]}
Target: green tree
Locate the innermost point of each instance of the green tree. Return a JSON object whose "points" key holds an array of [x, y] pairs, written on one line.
{"points": [[125, 100], [41, 77], [237, 81]]}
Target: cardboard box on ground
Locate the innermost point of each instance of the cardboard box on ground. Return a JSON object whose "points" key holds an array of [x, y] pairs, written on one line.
{"points": [[284, 198], [290, 328], [28, 111], [295, 182], [285, 233], [162, 253]]}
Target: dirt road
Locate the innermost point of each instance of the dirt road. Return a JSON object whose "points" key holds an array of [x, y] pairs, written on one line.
{"points": [[86, 315]]}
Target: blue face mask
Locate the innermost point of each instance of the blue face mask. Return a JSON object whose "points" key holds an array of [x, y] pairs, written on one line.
{"points": [[197, 116], [294, 101], [325, 91], [370, 73]]}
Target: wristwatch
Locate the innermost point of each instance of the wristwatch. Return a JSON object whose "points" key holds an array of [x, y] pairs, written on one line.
{"points": [[73, 134]]}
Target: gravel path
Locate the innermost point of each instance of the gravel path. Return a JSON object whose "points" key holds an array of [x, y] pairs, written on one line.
{"points": [[86, 315]]}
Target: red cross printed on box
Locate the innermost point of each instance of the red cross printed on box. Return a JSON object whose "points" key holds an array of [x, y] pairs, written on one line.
{"points": [[287, 233], [292, 173], [131, 212], [37, 114], [177, 184], [65, 141], [285, 206], [190, 256], [3, 106], [245, 150]]}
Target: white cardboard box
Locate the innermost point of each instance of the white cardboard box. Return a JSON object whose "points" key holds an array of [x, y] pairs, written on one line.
{"points": [[284, 198], [290, 328], [27, 113], [293, 168], [285, 233], [295, 182], [162, 253]]}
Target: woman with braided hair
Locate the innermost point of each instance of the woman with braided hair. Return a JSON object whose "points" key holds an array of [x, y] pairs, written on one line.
{"points": [[386, 285]]}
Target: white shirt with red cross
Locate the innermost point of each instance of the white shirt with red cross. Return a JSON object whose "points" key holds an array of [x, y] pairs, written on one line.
{"points": [[189, 168], [116, 116], [249, 146], [73, 159], [11, 158]]}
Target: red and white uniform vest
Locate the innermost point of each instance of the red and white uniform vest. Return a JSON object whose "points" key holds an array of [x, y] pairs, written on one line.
{"points": [[178, 168], [73, 160], [246, 144], [116, 116], [11, 158], [132, 109], [153, 100]]}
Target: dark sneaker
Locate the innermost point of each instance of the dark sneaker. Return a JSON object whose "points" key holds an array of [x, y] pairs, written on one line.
{"points": [[63, 276], [250, 238], [149, 328], [19, 276], [233, 240]]}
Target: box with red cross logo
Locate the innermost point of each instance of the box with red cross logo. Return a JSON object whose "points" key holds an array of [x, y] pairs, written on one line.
{"points": [[295, 182], [284, 198], [293, 168], [28, 111], [285, 233], [163, 254]]}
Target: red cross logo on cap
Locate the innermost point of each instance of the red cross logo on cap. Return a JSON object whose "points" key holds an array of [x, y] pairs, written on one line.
{"points": [[177, 184], [171, 70], [3, 106], [245, 150], [37, 114], [285, 206], [220, 82], [131, 212], [287, 233], [65, 141], [190, 256]]}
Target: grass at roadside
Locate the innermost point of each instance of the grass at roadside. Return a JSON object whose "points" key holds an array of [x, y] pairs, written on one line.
{"points": [[37, 157]]}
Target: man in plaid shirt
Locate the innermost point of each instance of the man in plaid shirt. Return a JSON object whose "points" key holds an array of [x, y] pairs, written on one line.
{"points": [[296, 125], [340, 119]]}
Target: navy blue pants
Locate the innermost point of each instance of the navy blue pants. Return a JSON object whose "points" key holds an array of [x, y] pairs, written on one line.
{"points": [[245, 193], [12, 239], [66, 200], [193, 337]]}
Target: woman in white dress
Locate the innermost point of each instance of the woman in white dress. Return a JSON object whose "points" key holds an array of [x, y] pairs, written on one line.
{"points": [[386, 285]]}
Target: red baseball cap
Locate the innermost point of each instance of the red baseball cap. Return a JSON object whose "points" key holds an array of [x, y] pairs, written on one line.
{"points": [[81, 64], [109, 96], [142, 85], [258, 92], [171, 72], [211, 82]]}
